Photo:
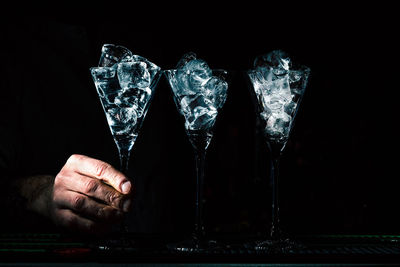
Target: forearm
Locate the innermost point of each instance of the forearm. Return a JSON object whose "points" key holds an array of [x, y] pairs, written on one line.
{"points": [[87, 195], [36, 192], [27, 201]]}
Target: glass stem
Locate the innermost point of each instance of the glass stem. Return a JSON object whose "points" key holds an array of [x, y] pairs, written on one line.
{"points": [[199, 223], [275, 155], [124, 160], [274, 176], [124, 155]]}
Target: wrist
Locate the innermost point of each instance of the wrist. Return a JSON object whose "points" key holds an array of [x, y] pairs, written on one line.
{"points": [[37, 193]]}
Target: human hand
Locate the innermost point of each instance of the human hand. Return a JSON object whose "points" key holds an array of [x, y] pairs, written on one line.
{"points": [[89, 195]]}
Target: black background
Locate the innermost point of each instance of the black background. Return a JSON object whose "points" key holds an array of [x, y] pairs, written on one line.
{"points": [[338, 173]]}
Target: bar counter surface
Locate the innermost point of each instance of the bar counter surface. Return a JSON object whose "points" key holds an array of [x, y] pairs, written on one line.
{"points": [[33, 249]]}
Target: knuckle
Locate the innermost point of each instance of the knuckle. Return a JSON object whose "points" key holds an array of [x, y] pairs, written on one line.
{"points": [[74, 158], [117, 178], [101, 168], [78, 202], [91, 186], [114, 199], [69, 221], [59, 179], [100, 213]]}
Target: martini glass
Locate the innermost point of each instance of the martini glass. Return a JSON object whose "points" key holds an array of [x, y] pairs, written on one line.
{"points": [[125, 84], [199, 93], [278, 88]]}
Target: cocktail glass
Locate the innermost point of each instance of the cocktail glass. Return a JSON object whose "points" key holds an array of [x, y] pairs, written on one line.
{"points": [[278, 86], [199, 94], [125, 84]]}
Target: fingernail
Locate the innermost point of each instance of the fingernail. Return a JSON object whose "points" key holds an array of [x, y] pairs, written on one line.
{"points": [[126, 205], [126, 187]]}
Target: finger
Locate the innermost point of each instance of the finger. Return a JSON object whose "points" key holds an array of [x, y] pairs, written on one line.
{"points": [[67, 218], [94, 188], [100, 170], [87, 207]]}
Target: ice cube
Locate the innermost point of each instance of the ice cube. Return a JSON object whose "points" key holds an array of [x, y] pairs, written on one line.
{"points": [[198, 71], [112, 115], [278, 64], [278, 124], [299, 79], [185, 105], [112, 54], [123, 118], [198, 111], [182, 84], [290, 107], [190, 102], [185, 59], [102, 73], [143, 96], [106, 83], [258, 81], [177, 87], [265, 114], [275, 103], [128, 116], [133, 75], [295, 76], [274, 94], [277, 60], [134, 97], [193, 75], [216, 90], [152, 68], [202, 118], [126, 98]]}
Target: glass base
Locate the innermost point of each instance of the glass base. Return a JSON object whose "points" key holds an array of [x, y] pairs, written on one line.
{"points": [[276, 245], [196, 246]]}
